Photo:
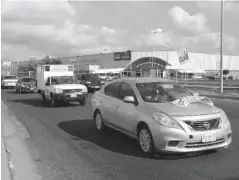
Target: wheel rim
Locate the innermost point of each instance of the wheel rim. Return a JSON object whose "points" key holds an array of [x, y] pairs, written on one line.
{"points": [[98, 121], [145, 140]]}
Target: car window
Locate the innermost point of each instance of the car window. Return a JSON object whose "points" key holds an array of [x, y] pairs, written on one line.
{"points": [[28, 80], [161, 92], [113, 89], [126, 90]]}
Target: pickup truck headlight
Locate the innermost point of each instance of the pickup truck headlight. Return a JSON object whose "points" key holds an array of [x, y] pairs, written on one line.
{"points": [[166, 120], [57, 90]]}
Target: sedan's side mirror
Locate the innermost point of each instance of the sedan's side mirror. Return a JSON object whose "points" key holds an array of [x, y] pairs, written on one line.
{"points": [[130, 99], [47, 84]]}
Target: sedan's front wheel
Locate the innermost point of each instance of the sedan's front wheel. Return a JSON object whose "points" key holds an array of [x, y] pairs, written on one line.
{"points": [[146, 141], [99, 121]]}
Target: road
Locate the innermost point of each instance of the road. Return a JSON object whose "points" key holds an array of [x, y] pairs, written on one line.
{"points": [[65, 146]]}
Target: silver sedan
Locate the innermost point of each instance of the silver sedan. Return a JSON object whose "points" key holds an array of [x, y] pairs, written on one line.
{"points": [[161, 115]]}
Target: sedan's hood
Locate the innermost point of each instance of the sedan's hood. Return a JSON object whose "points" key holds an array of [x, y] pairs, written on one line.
{"points": [[69, 86], [193, 109]]}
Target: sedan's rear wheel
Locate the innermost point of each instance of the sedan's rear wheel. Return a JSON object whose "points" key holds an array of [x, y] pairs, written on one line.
{"points": [[99, 121], [146, 141]]}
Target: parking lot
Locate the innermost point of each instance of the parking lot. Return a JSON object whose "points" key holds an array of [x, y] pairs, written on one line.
{"points": [[65, 145]]}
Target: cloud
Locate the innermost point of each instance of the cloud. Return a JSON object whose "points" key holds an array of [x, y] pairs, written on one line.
{"points": [[190, 23], [107, 31], [229, 5], [160, 38], [192, 31], [52, 28]]}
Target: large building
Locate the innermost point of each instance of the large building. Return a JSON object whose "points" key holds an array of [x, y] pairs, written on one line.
{"points": [[144, 62]]}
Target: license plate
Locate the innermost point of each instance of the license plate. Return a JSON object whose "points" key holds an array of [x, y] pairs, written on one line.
{"points": [[209, 137], [11, 84], [73, 95], [97, 86]]}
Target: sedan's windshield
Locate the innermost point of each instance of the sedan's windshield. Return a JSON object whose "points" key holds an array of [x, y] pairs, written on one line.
{"points": [[64, 80], [10, 77], [161, 92], [28, 80]]}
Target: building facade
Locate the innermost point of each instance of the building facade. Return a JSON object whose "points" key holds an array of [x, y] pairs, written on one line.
{"points": [[155, 62]]}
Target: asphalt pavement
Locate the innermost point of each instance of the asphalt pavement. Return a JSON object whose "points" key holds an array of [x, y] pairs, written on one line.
{"points": [[65, 146]]}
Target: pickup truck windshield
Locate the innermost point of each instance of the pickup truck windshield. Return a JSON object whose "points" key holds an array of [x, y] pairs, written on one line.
{"points": [[9, 77], [64, 80], [156, 92]]}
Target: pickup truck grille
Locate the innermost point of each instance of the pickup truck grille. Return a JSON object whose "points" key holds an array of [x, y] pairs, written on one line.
{"points": [[204, 125], [72, 90]]}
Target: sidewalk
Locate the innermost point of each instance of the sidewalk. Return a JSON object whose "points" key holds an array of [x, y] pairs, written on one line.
{"points": [[17, 163], [5, 168]]}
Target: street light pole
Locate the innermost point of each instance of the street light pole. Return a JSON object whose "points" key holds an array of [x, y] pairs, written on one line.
{"points": [[154, 32], [105, 50], [221, 53]]}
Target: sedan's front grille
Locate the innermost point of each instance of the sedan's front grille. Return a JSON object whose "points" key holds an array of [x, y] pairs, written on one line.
{"points": [[203, 144], [72, 90], [204, 125]]}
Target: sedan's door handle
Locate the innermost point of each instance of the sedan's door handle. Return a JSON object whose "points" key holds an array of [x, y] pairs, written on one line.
{"points": [[117, 106]]}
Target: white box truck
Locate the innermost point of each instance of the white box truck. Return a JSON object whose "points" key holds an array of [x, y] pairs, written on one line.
{"points": [[57, 84]]}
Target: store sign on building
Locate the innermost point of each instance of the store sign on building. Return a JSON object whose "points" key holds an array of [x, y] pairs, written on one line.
{"points": [[183, 55], [122, 56]]}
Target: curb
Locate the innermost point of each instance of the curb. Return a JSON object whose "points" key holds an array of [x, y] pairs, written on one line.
{"points": [[14, 135], [6, 175]]}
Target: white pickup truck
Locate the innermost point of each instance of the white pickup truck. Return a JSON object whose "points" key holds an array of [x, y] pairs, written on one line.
{"points": [[57, 84]]}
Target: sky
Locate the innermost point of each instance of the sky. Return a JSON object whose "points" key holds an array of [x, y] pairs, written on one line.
{"points": [[34, 29]]}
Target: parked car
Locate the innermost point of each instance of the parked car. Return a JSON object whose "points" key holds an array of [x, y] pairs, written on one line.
{"points": [[161, 115], [197, 77], [237, 77], [26, 84], [92, 81], [8, 81]]}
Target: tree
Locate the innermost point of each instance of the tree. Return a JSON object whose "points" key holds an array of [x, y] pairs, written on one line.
{"points": [[226, 72], [52, 61]]}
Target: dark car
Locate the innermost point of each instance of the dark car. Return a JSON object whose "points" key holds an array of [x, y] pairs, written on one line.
{"points": [[92, 81], [26, 84]]}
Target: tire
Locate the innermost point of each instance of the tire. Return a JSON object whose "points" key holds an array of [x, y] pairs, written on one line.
{"points": [[54, 103], [43, 98], [83, 102], [145, 141], [98, 120], [17, 91], [20, 90]]}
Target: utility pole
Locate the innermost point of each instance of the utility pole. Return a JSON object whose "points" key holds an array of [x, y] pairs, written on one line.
{"points": [[221, 54], [105, 50]]}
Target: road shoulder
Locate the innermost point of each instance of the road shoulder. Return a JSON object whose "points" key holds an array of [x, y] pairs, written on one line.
{"points": [[19, 162]]}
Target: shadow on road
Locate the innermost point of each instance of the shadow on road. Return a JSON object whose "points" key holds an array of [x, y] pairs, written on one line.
{"points": [[113, 140]]}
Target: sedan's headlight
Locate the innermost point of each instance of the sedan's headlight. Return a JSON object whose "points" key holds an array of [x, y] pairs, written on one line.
{"points": [[165, 120], [224, 118], [57, 90], [22, 85]]}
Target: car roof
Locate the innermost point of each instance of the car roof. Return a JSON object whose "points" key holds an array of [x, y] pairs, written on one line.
{"points": [[146, 80]]}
